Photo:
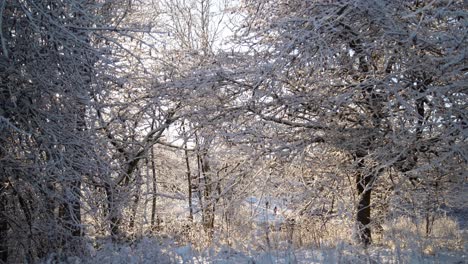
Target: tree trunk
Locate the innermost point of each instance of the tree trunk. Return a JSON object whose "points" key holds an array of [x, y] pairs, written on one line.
{"points": [[72, 209], [25, 207], [3, 225], [112, 213], [3, 175], [363, 217], [134, 211], [75, 185], [189, 181], [153, 204], [199, 178], [76, 210], [136, 201], [209, 208]]}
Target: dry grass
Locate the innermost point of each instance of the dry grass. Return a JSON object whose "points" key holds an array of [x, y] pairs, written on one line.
{"points": [[405, 232]]}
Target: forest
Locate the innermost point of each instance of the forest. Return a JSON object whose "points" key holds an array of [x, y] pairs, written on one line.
{"points": [[233, 131]]}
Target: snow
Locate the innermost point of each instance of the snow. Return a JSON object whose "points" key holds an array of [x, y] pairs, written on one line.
{"points": [[152, 250], [267, 210]]}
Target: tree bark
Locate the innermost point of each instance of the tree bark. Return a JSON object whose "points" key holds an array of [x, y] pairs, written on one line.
{"points": [[363, 216], [209, 208], [189, 181], [3, 225], [153, 204], [136, 200], [3, 175], [114, 219], [199, 177], [155, 189]]}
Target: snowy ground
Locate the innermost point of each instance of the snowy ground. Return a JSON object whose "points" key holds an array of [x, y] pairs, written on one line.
{"points": [[156, 251]]}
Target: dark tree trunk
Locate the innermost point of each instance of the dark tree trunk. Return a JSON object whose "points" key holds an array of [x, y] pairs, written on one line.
{"points": [[134, 211], [155, 189], [209, 208], [136, 201], [363, 217], [155, 186], [115, 227], [189, 181], [3, 226], [114, 219], [363, 181], [25, 207], [3, 175], [199, 177], [76, 209]]}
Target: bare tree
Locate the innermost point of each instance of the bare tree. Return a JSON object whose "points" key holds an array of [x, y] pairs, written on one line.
{"points": [[368, 78], [47, 70], [52, 71]]}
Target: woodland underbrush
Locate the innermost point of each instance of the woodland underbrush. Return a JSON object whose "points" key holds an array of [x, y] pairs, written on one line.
{"points": [[304, 240]]}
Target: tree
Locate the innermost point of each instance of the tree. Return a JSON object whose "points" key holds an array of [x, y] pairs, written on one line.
{"points": [[46, 69], [379, 81], [195, 27], [49, 71]]}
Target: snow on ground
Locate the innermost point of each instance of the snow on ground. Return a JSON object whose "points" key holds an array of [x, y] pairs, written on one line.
{"points": [[161, 251], [267, 209], [150, 250]]}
